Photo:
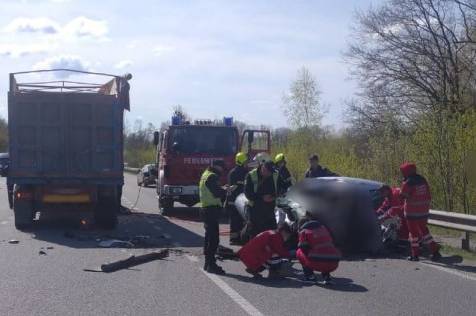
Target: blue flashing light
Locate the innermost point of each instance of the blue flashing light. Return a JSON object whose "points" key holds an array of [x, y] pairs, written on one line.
{"points": [[228, 121]]}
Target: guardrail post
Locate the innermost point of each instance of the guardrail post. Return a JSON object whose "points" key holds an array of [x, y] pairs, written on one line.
{"points": [[465, 241]]}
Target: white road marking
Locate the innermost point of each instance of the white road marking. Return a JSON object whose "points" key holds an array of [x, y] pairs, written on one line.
{"points": [[450, 271], [234, 295]]}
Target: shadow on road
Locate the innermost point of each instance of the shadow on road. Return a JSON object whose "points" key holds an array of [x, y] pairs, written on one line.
{"points": [[154, 230], [340, 284], [453, 262], [191, 214]]}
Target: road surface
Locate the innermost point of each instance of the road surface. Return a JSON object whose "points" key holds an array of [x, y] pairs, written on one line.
{"points": [[56, 284]]}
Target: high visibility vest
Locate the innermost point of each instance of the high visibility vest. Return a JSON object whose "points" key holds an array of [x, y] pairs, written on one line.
{"points": [[254, 178], [207, 199]]}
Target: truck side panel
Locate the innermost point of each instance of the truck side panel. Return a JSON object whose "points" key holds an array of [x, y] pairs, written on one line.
{"points": [[65, 135]]}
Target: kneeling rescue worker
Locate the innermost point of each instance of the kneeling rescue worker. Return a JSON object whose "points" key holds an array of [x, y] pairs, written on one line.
{"points": [[236, 181], [417, 198], [392, 208], [211, 197], [265, 251], [316, 250], [262, 187]]}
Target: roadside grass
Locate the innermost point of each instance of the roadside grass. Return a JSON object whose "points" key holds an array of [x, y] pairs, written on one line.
{"points": [[457, 235], [466, 255]]}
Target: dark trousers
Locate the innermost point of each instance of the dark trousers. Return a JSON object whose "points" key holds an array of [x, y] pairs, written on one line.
{"points": [[210, 217], [262, 217]]}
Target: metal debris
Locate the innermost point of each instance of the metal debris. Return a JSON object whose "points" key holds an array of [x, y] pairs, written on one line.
{"points": [[113, 243], [42, 253], [131, 262], [13, 241]]}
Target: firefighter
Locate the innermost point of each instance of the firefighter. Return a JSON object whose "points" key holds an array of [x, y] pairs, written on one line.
{"points": [[236, 181], [316, 250], [211, 197], [415, 192], [286, 177], [392, 208], [262, 186], [316, 170], [265, 251]]}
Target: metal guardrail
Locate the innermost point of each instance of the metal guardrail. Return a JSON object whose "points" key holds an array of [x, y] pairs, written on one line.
{"points": [[131, 170], [457, 221]]}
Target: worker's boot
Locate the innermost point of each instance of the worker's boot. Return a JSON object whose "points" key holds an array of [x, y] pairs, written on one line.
{"points": [[255, 274], [215, 269], [413, 258], [436, 256], [327, 279]]}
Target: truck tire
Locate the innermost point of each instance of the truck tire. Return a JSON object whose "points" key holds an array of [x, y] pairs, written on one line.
{"points": [[106, 213], [166, 206], [23, 211]]}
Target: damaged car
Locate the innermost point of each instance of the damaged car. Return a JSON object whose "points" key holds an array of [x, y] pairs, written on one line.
{"points": [[345, 205]]}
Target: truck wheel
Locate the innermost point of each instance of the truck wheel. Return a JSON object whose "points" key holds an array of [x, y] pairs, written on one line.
{"points": [[106, 213], [23, 211], [165, 206]]}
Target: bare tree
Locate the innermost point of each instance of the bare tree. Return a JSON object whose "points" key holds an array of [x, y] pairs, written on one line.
{"points": [[301, 105]]}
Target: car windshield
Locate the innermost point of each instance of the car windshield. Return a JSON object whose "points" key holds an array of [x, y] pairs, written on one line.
{"points": [[206, 140]]}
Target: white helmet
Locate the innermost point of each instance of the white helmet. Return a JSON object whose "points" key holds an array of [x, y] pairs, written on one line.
{"points": [[262, 158]]}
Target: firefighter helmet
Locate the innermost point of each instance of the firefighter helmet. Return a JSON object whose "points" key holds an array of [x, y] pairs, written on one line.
{"points": [[262, 158], [240, 158], [279, 157]]}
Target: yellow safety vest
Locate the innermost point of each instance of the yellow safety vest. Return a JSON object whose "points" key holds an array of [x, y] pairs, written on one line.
{"points": [[254, 178], [207, 199]]}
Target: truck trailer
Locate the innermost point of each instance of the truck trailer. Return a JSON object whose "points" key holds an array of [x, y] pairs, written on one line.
{"points": [[66, 144]]}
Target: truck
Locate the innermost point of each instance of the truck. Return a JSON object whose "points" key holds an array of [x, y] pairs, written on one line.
{"points": [[185, 149], [66, 144]]}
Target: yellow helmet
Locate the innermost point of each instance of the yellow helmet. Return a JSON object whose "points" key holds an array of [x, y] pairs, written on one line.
{"points": [[279, 157], [240, 158]]}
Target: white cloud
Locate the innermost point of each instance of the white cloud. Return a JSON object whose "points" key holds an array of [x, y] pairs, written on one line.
{"points": [[62, 62], [123, 64], [33, 25], [21, 50], [81, 27], [159, 50]]}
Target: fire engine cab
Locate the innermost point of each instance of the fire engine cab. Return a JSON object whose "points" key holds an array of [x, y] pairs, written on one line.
{"points": [[185, 149]]}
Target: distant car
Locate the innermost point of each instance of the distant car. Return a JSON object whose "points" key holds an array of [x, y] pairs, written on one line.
{"points": [[4, 164], [147, 175], [345, 205]]}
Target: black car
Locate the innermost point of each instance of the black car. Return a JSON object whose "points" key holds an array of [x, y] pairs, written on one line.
{"points": [[147, 175]]}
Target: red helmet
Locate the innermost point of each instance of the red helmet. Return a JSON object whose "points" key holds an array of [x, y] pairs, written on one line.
{"points": [[408, 169]]}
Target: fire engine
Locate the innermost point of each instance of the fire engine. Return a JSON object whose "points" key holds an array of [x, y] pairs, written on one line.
{"points": [[185, 149]]}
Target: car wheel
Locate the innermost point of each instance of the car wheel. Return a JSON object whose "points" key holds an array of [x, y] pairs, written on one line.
{"points": [[166, 206], [23, 211]]}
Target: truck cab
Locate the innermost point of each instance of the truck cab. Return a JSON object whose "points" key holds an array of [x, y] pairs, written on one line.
{"points": [[185, 150]]}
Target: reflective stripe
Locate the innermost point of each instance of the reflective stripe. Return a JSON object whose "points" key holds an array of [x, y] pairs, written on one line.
{"points": [[207, 199], [324, 257]]}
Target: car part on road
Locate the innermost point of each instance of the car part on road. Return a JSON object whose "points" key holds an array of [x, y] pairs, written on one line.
{"points": [[13, 241], [131, 262], [115, 243], [42, 253]]}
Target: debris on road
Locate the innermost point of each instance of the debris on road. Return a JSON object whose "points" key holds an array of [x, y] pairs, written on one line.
{"points": [[50, 247], [225, 253], [42, 253], [13, 241], [115, 243], [131, 262]]}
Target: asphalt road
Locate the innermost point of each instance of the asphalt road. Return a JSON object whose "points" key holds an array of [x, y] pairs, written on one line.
{"points": [[56, 284]]}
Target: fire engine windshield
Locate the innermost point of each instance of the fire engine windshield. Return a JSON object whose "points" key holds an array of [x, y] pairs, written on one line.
{"points": [[206, 140]]}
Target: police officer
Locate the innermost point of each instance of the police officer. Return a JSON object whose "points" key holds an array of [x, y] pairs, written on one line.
{"points": [[236, 181], [286, 177], [316, 170], [262, 187], [211, 197]]}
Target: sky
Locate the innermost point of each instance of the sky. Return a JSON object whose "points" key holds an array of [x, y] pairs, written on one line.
{"points": [[215, 58]]}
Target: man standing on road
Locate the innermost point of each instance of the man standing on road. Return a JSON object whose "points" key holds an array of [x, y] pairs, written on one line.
{"points": [[316, 170], [236, 181], [287, 178], [417, 198], [211, 197], [262, 187]]}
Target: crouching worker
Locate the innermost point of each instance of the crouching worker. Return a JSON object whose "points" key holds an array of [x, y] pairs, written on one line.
{"points": [[316, 250], [391, 213], [265, 251]]}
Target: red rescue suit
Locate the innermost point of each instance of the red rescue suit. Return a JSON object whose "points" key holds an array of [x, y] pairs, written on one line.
{"points": [[417, 199], [316, 250], [261, 248], [392, 206]]}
